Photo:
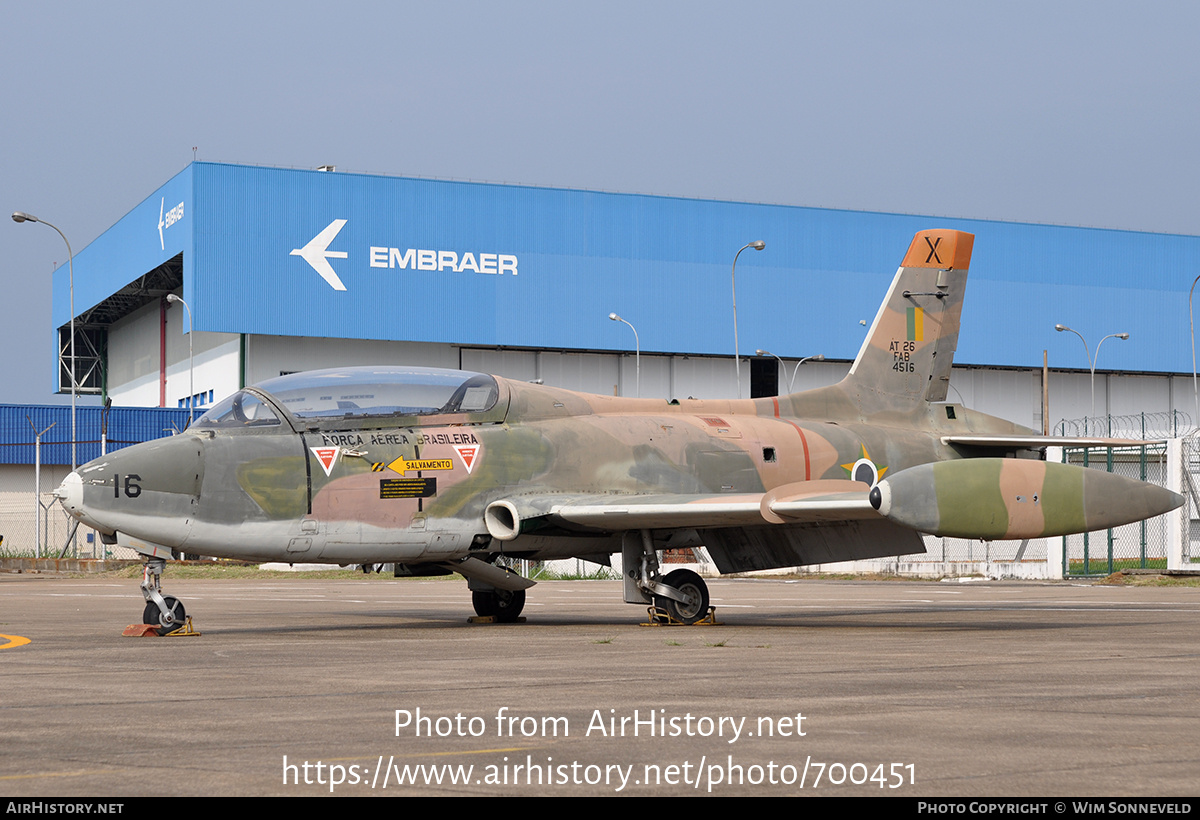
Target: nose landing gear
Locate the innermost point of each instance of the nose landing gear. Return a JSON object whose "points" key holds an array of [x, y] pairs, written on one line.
{"points": [[165, 612], [174, 617]]}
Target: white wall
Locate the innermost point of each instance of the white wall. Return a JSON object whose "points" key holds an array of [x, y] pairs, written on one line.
{"points": [[134, 351], [268, 356], [1015, 395]]}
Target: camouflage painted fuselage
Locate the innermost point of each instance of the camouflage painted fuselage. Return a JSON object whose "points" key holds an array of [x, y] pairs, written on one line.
{"points": [[415, 489]]}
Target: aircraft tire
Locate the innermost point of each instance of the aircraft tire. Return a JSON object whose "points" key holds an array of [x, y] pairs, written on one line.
{"points": [[690, 584], [503, 605], [485, 603], [151, 615], [509, 605]]}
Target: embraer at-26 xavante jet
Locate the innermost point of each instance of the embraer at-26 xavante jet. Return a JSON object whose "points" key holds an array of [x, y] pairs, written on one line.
{"points": [[438, 470]]}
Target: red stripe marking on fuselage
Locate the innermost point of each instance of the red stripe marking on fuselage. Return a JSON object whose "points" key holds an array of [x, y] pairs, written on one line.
{"points": [[803, 439]]}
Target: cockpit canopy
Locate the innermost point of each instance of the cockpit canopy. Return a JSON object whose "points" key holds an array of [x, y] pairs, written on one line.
{"points": [[353, 393]]}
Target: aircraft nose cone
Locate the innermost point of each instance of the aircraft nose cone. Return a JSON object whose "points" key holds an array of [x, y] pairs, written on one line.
{"points": [[148, 490], [70, 492]]}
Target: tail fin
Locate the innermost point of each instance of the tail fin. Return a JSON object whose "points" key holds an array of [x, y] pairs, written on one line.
{"points": [[906, 358]]}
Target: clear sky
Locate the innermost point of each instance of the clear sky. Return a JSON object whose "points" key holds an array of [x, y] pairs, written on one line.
{"points": [[1074, 113]]}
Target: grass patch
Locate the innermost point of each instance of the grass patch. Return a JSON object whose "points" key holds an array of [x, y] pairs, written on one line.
{"points": [[1101, 566], [1129, 579], [600, 574], [5, 552]]}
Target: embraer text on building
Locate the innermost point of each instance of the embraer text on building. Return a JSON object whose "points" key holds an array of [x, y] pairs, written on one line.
{"points": [[418, 259]]}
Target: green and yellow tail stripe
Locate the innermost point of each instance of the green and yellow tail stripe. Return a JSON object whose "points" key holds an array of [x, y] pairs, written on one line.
{"points": [[916, 324]]}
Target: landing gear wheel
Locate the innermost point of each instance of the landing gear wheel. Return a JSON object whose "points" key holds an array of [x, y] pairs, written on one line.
{"points": [[485, 603], [696, 591], [502, 604], [151, 615]]}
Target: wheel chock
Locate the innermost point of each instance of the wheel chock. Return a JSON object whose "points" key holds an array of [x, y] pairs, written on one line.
{"points": [[657, 616], [185, 631], [140, 631], [492, 619], [155, 631]]}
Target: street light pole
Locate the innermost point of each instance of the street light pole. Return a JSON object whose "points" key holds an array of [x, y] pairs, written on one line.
{"points": [[820, 357], [1121, 336], [1192, 326], [758, 245], [171, 297], [1091, 360], [37, 485], [637, 356], [18, 217]]}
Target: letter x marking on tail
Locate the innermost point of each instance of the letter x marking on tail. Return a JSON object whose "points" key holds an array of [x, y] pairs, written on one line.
{"points": [[933, 255]]}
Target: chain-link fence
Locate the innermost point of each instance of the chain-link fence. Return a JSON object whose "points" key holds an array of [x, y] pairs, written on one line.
{"points": [[946, 550], [34, 524], [1141, 545]]}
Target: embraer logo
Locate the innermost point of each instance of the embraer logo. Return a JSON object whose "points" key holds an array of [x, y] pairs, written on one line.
{"points": [[166, 219], [315, 253]]}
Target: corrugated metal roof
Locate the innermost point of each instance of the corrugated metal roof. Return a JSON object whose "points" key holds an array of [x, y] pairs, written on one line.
{"points": [[126, 426]]}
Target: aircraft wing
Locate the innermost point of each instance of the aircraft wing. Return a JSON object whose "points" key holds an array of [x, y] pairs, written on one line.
{"points": [[1041, 442], [802, 502], [660, 511]]}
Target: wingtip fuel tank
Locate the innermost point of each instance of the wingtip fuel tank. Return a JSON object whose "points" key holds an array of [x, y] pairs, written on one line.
{"points": [[1008, 498]]}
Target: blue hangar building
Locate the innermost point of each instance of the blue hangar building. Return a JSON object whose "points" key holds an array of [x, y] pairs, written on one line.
{"points": [[285, 270]]}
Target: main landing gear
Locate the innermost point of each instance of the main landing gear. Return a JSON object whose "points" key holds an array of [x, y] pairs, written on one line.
{"points": [[504, 605], [497, 592], [680, 597], [694, 591]]}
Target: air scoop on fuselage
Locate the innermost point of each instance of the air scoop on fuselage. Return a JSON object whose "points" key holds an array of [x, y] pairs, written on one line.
{"points": [[149, 490]]}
